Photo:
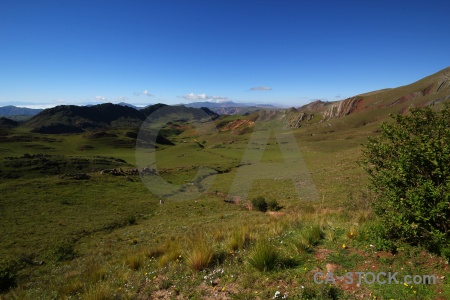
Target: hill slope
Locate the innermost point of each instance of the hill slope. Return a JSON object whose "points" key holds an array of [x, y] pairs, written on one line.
{"points": [[72, 118], [7, 123], [11, 110], [429, 91]]}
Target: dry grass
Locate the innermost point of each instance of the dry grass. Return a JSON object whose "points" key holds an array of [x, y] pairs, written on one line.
{"points": [[239, 239], [98, 292], [135, 260], [170, 251], [200, 253]]}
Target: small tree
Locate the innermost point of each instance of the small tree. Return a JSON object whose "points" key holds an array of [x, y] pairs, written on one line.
{"points": [[409, 170]]}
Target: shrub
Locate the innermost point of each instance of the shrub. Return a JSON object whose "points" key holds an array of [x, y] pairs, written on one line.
{"points": [[259, 203], [445, 252], [61, 251], [131, 220], [409, 171], [264, 256], [273, 205], [7, 274]]}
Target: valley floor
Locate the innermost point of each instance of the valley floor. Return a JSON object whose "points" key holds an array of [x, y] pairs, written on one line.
{"points": [[108, 236]]}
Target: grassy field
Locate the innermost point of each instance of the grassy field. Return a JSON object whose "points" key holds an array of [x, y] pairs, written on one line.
{"points": [[109, 237]]}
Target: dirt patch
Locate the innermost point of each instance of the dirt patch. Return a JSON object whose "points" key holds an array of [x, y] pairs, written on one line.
{"points": [[238, 126], [276, 213], [321, 254]]}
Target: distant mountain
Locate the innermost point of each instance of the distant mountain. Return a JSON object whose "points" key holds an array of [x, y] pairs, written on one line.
{"points": [[74, 119], [241, 110], [181, 110], [214, 104], [375, 106], [129, 105], [11, 110], [230, 107]]}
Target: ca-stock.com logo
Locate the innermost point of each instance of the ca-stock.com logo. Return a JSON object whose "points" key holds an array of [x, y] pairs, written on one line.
{"points": [[250, 169]]}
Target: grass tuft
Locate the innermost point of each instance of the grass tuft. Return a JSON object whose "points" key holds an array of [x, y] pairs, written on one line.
{"points": [[169, 252], [135, 261], [264, 256], [98, 292], [200, 254], [239, 239], [308, 238]]}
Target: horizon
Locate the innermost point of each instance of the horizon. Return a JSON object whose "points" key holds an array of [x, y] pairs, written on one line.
{"points": [[172, 52]]}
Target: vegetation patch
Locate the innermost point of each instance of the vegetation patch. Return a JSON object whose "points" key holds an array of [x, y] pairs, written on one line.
{"points": [[61, 251], [34, 165], [409, 169]]}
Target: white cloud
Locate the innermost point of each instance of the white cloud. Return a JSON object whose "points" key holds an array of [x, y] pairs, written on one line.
{"points": [[195, 97], [261, 88], [144, 92], [204, 97], [101, 98], [39, 106]]}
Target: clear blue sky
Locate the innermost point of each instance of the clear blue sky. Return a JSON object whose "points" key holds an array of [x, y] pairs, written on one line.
{"points": [[267, 51]]}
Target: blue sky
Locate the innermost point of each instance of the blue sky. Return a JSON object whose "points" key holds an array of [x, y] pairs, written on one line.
{"points": [[266, 51]]}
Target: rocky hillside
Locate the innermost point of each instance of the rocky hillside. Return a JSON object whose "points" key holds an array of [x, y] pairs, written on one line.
{"points": [[429, 91]]}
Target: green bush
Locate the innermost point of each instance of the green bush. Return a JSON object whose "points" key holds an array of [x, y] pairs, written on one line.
{"points": [[445, 252], [409, 171], [259, 203]]}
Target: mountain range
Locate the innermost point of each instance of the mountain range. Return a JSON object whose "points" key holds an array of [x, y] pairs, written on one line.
{"points": [[230, 107], [369, 107], [73, 119], [223, 108]]}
